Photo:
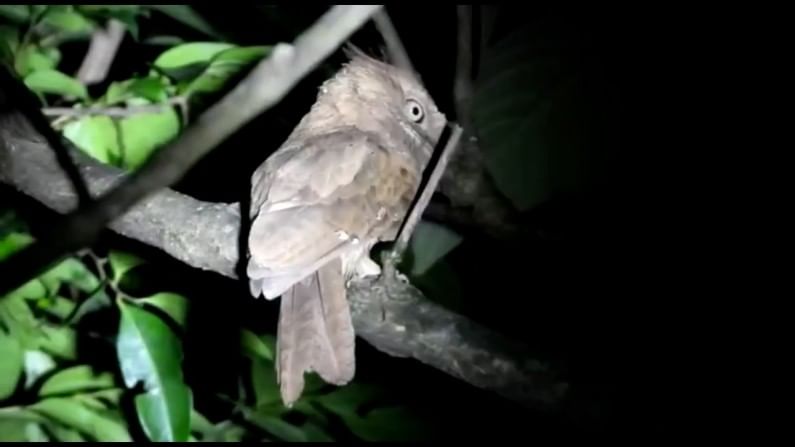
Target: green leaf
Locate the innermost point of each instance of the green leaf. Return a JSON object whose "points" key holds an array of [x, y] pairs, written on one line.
{"points": [[189, 54], [122, 262], [12, 243], [13, 430], [151, 88], [529, 115], [150, 352], [32, 59], [145, 133], [345, 401], [60, 341], [277, 427], [430, 243], [59, 307], [263, 380], [98, 300], [68, 21], [18, 14], [74, 379], [55, 82], [174, 305], [168, 41], [73, 414], [11, 366], [224, 66], [65, 434], [166, 419], [37, 364], [9, 36], [253, 345], [395, 424], [96, 136], [34, 433], [71, 271], [189, 17]]}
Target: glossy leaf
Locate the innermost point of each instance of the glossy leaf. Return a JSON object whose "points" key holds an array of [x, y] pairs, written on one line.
{"points": [[277, 427], [345, 401], [32, 58], [224, 66], [163, 414], [430, 242], [68, 21], [190, 53], [12, 243], [13, 429], [11, 365], [75, 379], [72, 413], [63, 434], [55, 82], [37, 364], [150, 88], [189, 17], [395, 424], [122, 262], [16, 13], [527, 115], [96, 136], [71, 271], [263, 380], [254, 345], [174, 305], [59, 341], [143, 134], [150, 352], [58, 306], [98, 300]]}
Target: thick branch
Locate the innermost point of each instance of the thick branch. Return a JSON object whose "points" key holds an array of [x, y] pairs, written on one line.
{"points": [[266, 85], [205, 235]]}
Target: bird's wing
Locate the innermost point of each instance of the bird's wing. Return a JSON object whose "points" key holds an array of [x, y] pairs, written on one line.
{"points": [[309, 203]]}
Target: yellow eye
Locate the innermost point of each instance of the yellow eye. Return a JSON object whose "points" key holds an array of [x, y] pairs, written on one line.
{"points": [[414, 110]]}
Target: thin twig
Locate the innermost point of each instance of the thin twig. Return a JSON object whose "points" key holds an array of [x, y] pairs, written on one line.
{"points": [[424, 197], [118, 112], [463, 77], [266, 85], [102, 51], [397, 51]]}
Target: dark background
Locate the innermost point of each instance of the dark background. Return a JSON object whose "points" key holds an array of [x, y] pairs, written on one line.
{"points": [[589, 286]]}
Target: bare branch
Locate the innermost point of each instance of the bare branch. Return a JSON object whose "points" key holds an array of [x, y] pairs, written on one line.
{"points": [[466, 182], [267, 84], [421, 202], [397, 52], [205, 235], [118, 112], [101, 53]]}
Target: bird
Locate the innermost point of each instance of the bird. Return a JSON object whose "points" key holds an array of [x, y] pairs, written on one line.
{"points": [[341, 182]]}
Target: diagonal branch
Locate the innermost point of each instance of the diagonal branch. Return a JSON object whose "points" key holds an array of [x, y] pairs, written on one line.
{"points": [[204, 235], [397, 52], [266, 85]]}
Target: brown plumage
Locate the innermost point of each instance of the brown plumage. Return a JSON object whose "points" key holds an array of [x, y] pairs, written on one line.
{"points": [[342, 181]]}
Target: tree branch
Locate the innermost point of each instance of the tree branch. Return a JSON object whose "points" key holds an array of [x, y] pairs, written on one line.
{"points": [[397, 51], [102, 51], [266, 85], [466, 182], [204, 235]]}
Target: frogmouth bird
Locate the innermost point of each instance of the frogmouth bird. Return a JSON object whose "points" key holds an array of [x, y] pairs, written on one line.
{"points": [[342, 181]]}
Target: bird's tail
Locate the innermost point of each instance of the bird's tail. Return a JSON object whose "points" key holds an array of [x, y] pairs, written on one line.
{"points": [[315, 332]]}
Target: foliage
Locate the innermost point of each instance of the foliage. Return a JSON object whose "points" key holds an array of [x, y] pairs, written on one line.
{"points": [[84, 359]]}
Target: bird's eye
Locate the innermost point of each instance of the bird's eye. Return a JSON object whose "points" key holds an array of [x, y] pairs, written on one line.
{"points": [[414, 110]]}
